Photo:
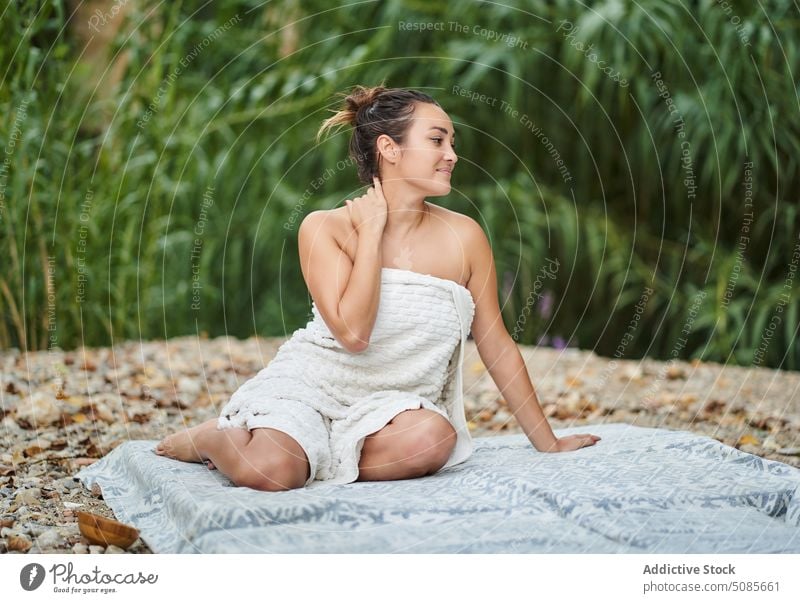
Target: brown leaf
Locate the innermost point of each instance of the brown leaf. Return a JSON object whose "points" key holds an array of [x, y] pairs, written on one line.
{"points": [[675, 372], [714, 406], [748, 439], [486, 415], [104, 531], [19, 543], [34, 450]]}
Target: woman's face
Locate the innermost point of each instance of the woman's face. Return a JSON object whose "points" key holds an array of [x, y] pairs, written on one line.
{"points": [[427, 157]]}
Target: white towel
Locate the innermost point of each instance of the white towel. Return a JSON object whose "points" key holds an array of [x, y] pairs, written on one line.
{"points": [[414, 360]]}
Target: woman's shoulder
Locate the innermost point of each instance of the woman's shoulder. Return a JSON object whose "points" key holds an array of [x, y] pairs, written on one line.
{"points": [[332, 221], [461, 224]]}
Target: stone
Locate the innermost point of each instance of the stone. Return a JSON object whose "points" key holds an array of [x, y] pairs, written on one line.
{"points": [[29, 496], [188, 387], [39, 410], [103, 412], [49, 539], [69, 483], [113, 549]]}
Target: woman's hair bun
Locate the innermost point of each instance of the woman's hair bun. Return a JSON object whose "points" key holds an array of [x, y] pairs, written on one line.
{"points": [[360, 98]]}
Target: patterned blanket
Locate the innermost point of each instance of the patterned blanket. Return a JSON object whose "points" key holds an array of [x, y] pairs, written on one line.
{"points": [[639, 490]]}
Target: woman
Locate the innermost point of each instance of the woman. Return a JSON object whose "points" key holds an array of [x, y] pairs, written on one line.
{"points": [[371, 388]]}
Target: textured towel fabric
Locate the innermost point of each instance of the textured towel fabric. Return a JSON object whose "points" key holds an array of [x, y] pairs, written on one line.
{"points": [[413, 361], [638, 490]]}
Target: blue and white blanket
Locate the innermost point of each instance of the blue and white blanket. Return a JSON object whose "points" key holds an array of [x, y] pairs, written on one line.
{"points": [[638, 490]]}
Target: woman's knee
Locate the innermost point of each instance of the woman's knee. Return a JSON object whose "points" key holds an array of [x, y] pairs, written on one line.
{"points": [[430, 445], [275, 474]]}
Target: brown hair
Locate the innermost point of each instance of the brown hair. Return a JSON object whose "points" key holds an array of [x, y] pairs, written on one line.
{"points": [[372, 112]]}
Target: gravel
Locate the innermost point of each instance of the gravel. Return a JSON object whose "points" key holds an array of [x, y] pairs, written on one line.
{"points": [[62, 411]]}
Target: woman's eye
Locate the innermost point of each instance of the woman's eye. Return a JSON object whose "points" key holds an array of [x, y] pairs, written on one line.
{"points": [[439, 140]]}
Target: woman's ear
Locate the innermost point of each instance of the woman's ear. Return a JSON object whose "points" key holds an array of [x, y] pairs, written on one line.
{"points": [[387, 149]]}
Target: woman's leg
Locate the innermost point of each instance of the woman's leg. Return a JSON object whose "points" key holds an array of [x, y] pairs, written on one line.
{"points": [[272, 460], [413, 444], [185, 445], [263, 459]]}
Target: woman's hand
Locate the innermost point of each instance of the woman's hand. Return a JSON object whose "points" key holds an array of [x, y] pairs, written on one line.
{"points": [[574, 442], [369, 212]]}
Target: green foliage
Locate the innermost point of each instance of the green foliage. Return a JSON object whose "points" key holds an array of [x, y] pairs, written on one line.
{"points": [[168, 203]]}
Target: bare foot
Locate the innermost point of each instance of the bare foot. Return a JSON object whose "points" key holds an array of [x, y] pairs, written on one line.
{"points": [[182, 445]]}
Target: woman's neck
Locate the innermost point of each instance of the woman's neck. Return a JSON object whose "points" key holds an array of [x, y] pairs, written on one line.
{"points": [[407, 211]]}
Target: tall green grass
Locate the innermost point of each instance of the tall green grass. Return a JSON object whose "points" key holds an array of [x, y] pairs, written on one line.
{"points": [[241, 116]]}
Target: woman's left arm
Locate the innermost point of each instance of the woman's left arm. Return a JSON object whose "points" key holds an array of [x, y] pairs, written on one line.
{"points": [[500, 354]]}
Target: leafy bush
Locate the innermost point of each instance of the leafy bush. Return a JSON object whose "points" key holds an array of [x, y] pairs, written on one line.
{"points": [[157, 191]]}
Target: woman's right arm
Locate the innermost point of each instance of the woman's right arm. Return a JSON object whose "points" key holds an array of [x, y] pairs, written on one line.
{"points": [[346, 293], [358, 306]]}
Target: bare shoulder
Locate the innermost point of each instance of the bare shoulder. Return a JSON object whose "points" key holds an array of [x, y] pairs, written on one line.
{"points": [[461, 224], [330, 219], [328, 222], [471, 235]]}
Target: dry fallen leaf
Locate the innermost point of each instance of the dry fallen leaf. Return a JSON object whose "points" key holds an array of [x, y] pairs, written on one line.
{"points": [[714, 406], [486, 415], [34, 450], [104, 531], [18, 543], [675, 372], [748, 439]]}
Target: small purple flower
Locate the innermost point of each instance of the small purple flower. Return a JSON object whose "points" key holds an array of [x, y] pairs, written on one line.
{"points": [[545, 305], [559, 343]]}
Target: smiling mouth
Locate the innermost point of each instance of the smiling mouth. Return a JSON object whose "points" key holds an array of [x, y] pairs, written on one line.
{"points": [[448, 172]]}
